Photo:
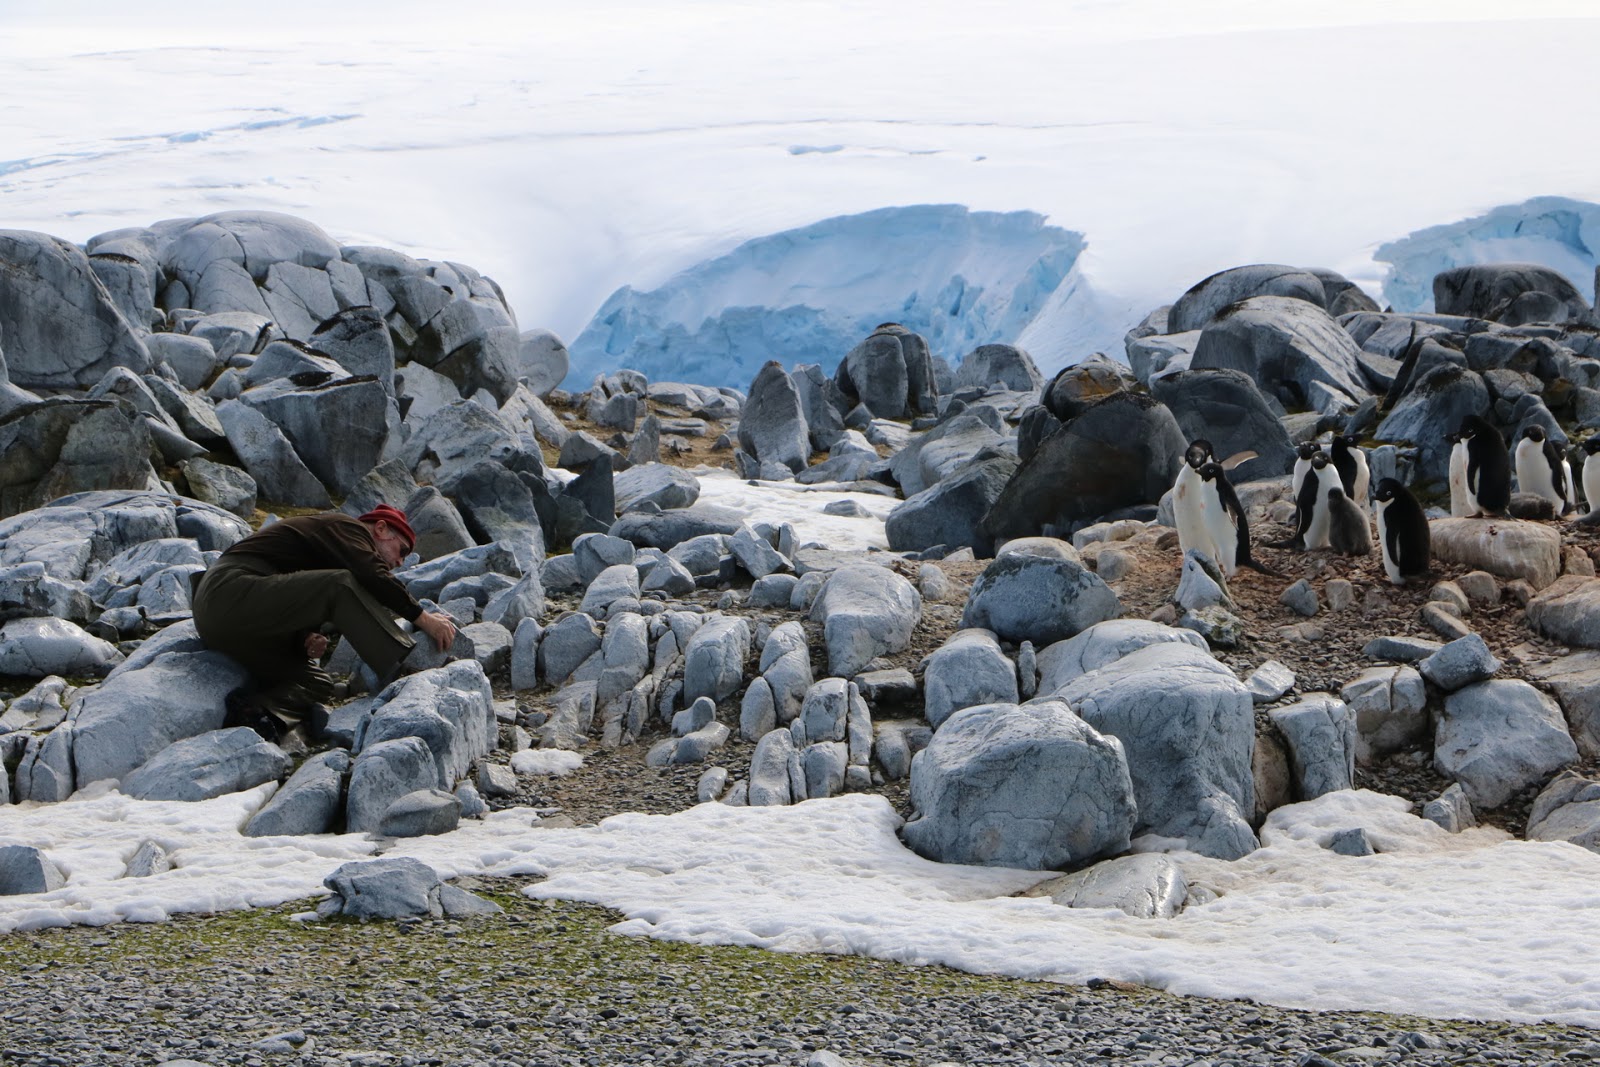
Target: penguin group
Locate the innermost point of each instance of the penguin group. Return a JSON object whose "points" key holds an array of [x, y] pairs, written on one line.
{"points": [[1334, 504], [1481, 467]]}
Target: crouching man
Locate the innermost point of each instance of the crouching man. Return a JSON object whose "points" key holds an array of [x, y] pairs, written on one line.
{"points": [[267, 600]]}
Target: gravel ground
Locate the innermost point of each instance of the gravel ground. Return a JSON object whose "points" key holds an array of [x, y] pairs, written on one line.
{"points": [[545, 984]]}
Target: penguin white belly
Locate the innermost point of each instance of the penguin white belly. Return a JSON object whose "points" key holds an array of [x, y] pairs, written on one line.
{"points": [[1591, 482], [1321, 517], [1224, 537], [1391, 567], [1569, 488], [1189, 512], [1298, 478], [1363, 486], [1462, 502], [1533, 472]]}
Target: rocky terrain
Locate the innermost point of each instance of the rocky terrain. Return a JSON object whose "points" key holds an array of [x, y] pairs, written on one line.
{"points": [[955, 585]]}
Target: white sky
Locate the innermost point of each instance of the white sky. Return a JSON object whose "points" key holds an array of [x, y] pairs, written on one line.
{"points": [[568, 149]]}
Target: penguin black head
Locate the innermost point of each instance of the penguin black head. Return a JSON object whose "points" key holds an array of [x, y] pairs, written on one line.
{"points": [[1473, 425], [1336, 493], [1319, 461], [1592, 445], [1199, 454], [1348, 440], [1453, 438], [1212, 472], [1307, 450], [1387, 490], [1534, 434]]}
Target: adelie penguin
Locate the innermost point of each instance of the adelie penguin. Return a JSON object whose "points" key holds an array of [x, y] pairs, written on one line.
{"points": [[1402, 532], [1226, 524], [1350, 459], [1312, 515], [1591, 474], [1543, 471], [1302, 464], [1189, 502], [1486, 469], [1349, 529]]}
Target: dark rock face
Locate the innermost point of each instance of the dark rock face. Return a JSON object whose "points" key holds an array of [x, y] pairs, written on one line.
{"points": [[61, 446], [1227, 409], [338, 429], [1123, 451], [1434, 407], [951, 511], [891, 372], [1288, 345], [1007, 365], [773, 427], [1509, 293], [58, 322], [1075, 388], [1199, 307]]}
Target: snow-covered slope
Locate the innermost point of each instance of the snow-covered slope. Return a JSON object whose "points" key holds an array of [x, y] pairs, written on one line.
{"points": [[1552, 231], [960, 278]]}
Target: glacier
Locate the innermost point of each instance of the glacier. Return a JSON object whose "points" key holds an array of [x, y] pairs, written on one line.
{"points": [[959, 277], [1553, 231]]}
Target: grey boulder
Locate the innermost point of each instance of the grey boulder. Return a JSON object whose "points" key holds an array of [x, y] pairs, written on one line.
{"points": [[1037, 598], [967, 670], [396, 887], [1291, 346], [866, 611], [1568, 809], [773, 426], [308, 803], [210, 765], [1321, 732], [714, 658], [25, 869], [1030, 786], [1497, 738], [36, 648]]}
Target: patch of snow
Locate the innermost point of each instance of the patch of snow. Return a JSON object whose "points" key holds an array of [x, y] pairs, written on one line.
{"points": [[802, 506], [557, 761], [1473, 925]]}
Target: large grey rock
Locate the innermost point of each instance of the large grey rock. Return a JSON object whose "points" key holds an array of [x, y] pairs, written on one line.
{"points": [[45, 773], [252, 240], [614, 584], [1321, 732], [542, 361], [1032, 786], [279, 472], [63, 446], [1462, 662], [307, 803], [967, 670], [1568, 809], [1497, 738], [1226, 408], [769, 770], [1188, 728], [1575, 680], [382, 774], [755, 553], [422, 813], [339, 429], [1006, 365], [226, 487], [1123, 451], [658, 483], [1104, 643], [25, 869], [495, 505], [1568, 610], [1432, 408], [396, 887], [822, 403], [714, 658], [1145, 886], [891, 373], [673, 527], [450, 708], [866, 611], [951, 512], [523, 601], [1206, 300], [59, 324], [454, 438], [565, 644], [1390, 706], [359, 341], [947, 448], [1038, 599], [35, 648], [1511, 293], [773, 427], [1509, 548], [1288, 345], [210, 765]]}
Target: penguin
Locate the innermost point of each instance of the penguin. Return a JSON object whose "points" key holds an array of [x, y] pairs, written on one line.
{"points": [[1311, 506], [1459, 505], [1403, 534], [1488, 480], [1349, 529], [1591, 473], [1226, 523], [1542, 470], [1302, 464], [1351, 461], [1189, 502]]}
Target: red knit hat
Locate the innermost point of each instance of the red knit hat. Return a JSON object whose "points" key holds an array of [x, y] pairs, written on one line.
{"points": [[396, 520]]}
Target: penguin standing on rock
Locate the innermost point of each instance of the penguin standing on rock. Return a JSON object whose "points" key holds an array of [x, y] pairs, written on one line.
{"points": [[1543, 471], [1591, 473], [1403, 535], [1350, 459], [1487, 484]]}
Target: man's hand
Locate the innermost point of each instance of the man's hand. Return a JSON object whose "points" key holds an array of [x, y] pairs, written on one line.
{"points": [[316, 645], [440, 627]]}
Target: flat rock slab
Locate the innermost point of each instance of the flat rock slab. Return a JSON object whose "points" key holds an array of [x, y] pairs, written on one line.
{"points": [[1508, 548], [1568, 610]]}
